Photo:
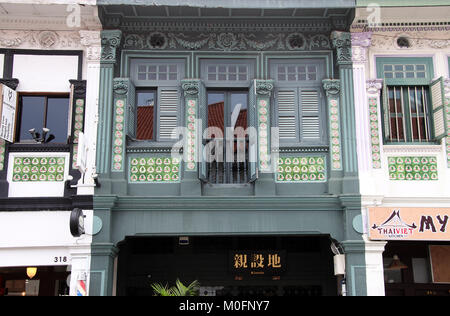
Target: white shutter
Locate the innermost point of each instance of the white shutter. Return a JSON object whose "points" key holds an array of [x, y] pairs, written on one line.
{"points": [[310, 120], [168, 101], [287, 114]]}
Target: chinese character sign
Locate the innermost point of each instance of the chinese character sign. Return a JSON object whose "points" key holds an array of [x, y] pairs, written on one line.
{"points": [[258, 262]]}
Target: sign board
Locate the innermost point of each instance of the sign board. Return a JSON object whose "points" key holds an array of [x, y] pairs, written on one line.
{"points": [[271, 263], [403, 223], [8, 107]]}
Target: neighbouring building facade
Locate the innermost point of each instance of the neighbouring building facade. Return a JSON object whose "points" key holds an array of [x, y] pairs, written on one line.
{"points": [[259, 181], [402, 93], [49, 68]]}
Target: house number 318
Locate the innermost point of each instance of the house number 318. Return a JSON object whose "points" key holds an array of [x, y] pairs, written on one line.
{"points": [[60, 259]]}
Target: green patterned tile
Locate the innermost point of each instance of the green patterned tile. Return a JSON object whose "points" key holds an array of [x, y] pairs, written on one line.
{"points": [[38, 169], [413, 168], [301, 169], [154, 170]]}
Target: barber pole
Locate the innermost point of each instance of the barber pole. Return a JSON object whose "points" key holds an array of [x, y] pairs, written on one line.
{"points": [[81, 288]]}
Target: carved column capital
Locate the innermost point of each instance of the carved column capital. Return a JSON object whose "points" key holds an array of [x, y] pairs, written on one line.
{"points": [[264, 87], [110, 40], [332, 87], [374, 86], [120, 85], [191, 87], [360, 43], [342, 42]]}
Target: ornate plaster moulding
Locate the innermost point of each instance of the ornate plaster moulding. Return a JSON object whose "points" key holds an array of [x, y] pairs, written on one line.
{"points": [[40, 39], [417, 41], [412, 149], [374, 86], [227, 41]]}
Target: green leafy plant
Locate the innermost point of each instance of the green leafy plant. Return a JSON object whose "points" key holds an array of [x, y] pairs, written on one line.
{"points": [[178, 290]]}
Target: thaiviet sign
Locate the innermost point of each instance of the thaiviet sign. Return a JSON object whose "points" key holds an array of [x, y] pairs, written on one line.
{"points": [[404, 223]]}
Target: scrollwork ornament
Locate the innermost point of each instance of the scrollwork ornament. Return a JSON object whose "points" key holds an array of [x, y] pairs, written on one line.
{"points": [[264, 87], [190, 87], [332, 87]]}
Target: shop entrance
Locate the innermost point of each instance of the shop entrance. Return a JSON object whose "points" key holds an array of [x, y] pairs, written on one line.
{"points": [[47, 281], [259, 266]]}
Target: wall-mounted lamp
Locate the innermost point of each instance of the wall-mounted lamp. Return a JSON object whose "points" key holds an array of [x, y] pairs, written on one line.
{"points": [[37, 137], [31, 272]]}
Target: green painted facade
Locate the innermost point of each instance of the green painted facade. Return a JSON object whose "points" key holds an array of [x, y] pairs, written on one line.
{"points": [[144, 192]]}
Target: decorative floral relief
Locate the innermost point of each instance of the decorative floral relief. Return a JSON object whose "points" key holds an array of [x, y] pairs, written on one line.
{"points": [[191, 117], [374, 133], [38, 169], [78, 127], [119, 135], [301, 169], [154, 170], [413, 168], [335, 135], [228, 41]]}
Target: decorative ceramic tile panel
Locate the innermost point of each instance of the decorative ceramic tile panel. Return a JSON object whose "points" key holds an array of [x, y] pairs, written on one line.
{"points": [[335, 131], [301, 169], [374, 133], [2, 154], [413, 168], [191, 117], [154, 170], [263, 131], [78, 127], [38, 169], [119, 135]]}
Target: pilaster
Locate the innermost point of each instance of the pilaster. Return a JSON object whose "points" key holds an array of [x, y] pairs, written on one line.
{"points": [[268, 142], [332, 89], [193, 90], [110, 40], [342, 43], [102, 269]]}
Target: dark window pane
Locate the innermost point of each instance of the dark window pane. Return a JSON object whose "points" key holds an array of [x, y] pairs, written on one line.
{"points": [[239, 103], [32, 116], [57, 118]]}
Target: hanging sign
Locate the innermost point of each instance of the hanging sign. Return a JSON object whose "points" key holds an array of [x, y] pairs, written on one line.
{"points": [[271, 263], [407, 223], [8, 107]]}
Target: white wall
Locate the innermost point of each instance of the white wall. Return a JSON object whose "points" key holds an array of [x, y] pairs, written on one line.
{"points": [[36, 238], [45, 73]]}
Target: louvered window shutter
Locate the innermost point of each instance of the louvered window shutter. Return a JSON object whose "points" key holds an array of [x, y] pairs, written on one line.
{"points": [[310, 104], [203, 124], [287, 101], [440, 123], [386, 114], [168, 109], [131, 111]]}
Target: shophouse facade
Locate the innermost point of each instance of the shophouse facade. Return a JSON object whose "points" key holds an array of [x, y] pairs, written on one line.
{"points": [[49, 65], [401, 69], [256, 212]]}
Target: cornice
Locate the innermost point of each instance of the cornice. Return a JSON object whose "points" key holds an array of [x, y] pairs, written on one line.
{"points": [[41, 23]]}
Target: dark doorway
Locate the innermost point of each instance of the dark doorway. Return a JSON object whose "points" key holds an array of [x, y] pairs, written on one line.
{"points": [[307, 265]]}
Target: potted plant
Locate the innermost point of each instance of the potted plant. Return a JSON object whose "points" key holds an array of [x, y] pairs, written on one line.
{"points": [[178, 290]]}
